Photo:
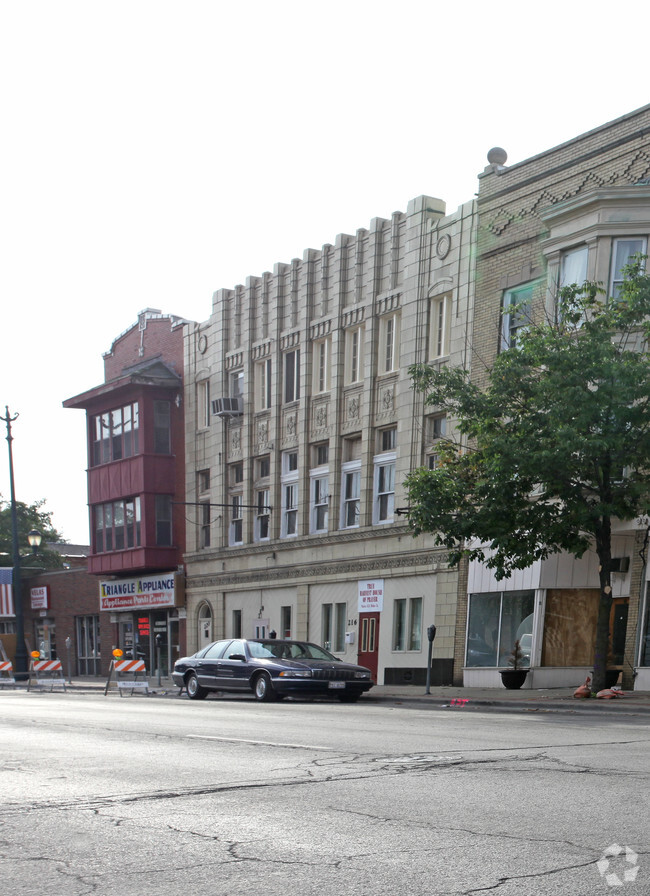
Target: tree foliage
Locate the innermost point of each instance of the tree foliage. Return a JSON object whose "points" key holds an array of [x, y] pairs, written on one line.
{"points": [[29, 516], [554, 448]]}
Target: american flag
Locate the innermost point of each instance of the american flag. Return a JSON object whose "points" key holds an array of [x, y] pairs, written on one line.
{"points": [[6, 591]]}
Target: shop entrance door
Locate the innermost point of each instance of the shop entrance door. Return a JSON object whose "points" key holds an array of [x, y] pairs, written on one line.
{"points": [[618, 630], [160, 642], [126, 637], [46, 639], [369, 642]]}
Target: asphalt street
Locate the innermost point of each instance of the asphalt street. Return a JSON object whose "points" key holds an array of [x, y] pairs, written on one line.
{"points": [[133, 795]]}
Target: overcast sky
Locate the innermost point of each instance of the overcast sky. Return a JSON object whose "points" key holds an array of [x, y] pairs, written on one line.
{"points": [[153, 152]]}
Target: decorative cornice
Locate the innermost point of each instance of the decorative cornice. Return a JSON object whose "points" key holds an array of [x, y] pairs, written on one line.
{"points": [[436, 560], [289, 340], [234, 360], [387, 303], [263, 350], [352, 317], [320, 329]]}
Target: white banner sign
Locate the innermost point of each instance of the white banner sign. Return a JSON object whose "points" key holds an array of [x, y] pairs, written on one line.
{"points": [[371, 596]]}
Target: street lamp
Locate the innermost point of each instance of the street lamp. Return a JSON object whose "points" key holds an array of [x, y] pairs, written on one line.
{"points": [[34, 538]]}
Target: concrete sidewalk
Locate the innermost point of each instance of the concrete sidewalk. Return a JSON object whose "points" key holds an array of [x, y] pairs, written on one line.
{"points": [[527, 699]]}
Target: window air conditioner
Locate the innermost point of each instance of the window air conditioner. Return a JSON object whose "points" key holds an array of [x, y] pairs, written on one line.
{"points": [[620, 564], [227, 407]]}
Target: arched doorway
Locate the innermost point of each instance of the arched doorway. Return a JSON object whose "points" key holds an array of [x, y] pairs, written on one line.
{"points": [[205, 626]]}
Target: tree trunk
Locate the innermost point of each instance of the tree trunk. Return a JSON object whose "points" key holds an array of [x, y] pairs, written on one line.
{"points": [[601, 647]]}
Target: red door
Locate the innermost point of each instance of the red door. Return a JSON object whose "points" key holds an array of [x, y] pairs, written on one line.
{"points": [[369, 642]]}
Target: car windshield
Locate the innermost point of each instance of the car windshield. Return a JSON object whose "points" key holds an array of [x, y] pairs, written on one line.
{"points": [[295, 650]]}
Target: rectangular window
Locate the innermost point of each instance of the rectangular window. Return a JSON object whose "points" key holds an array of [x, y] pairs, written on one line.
{"points": [[236, 624], [439, 327], [436, 427], [339, 632], [320, 502], [163, 510], [573, 266], [263, 385], [202, 404], [203, 481], [333, 626], [236, 473], [290, 462], [262, 515], [114, 434], [496, 621], [351, 498], [285, 622], [290, 509], [321, 454], [353, 355], [515, 314], [292, 376], [384, 503], [162, 430], [236, 519], [88, 645], [388, 342], [263, 467], [117, 434], [321, 362], [399, 624], [415, 623], [622, 254], [407, 624], [388, 439], [117, 525], [289, 524], [204, 511], [236, 385]]}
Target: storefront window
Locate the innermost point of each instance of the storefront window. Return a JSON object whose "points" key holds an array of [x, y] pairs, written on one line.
{"points": [[496, 621], [88, 645]]}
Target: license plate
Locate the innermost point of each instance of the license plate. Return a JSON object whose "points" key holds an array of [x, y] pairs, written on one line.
{"points": [[336, 684]]}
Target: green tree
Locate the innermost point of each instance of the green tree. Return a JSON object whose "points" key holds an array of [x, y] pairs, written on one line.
{"points": [[29, 516], [556, 446]]}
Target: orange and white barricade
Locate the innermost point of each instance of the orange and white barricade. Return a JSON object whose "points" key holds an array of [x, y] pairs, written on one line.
{"points": [[7, 672], [132, 669], [46, 673]]}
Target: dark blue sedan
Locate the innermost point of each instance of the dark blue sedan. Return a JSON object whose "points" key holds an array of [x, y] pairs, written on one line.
{"points": [[271, 669]]}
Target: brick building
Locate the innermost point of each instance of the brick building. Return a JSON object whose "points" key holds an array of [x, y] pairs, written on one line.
{"points": [[136, 490], [574, 212], [62, 604]]}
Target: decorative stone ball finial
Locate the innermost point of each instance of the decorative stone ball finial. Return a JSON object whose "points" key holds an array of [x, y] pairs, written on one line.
{"points": [[497, 156]]}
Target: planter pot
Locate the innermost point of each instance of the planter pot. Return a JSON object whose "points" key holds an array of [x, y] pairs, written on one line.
{"points": [[513, 679]]}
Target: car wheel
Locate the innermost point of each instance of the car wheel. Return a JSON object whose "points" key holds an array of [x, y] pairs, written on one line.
{"points": [[348, 698], [263, 689], [194, 689]]}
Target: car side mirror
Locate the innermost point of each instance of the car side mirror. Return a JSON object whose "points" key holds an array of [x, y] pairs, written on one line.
{"points": [[237, 656]]}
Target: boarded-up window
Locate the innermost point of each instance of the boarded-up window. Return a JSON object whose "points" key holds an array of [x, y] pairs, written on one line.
{"points": [[570, 627]]}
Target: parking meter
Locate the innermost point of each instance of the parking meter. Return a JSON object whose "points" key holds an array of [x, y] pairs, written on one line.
{"points": [[68, 645], [159, 671], [431, 633]]}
